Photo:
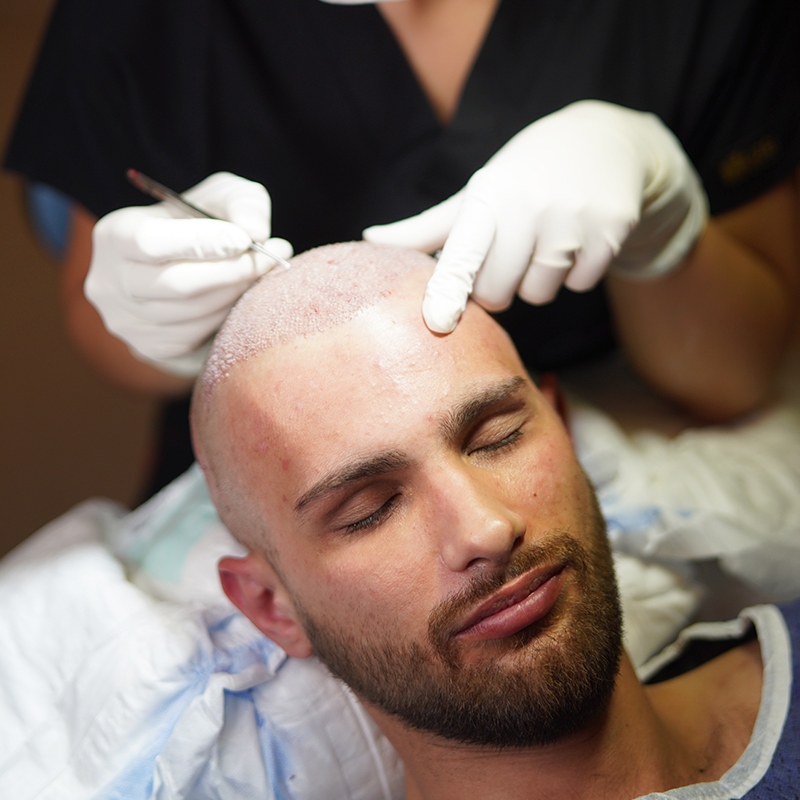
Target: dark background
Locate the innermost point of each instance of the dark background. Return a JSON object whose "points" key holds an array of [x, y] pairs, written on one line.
{"points": [[65, 434]]}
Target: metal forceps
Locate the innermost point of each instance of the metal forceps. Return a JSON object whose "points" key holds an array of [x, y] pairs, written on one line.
{"points": [[160, 192]]}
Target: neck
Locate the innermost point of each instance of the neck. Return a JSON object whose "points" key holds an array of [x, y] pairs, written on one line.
{"points": [[649, 740], [441, 40]]}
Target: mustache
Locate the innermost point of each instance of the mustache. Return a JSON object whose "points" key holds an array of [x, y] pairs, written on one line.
{"points": [[558, 547]]}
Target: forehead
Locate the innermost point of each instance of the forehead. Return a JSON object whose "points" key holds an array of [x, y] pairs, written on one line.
{"points": [[371, 383]]}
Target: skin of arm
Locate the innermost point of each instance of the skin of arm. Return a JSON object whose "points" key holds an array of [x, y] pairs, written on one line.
{"points": [[712, 335], [86, 329]]}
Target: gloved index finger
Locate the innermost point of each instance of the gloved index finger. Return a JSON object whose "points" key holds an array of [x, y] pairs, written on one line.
{"points": [[251, 210], [426, 231], [162, 240], [462, 256]]}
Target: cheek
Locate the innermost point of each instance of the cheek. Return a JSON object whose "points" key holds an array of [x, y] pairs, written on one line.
{"points": [[547, 485], [374, 587]]}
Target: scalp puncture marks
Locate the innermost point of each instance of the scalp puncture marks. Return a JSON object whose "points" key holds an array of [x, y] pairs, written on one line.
{"points": [[326, 287]]}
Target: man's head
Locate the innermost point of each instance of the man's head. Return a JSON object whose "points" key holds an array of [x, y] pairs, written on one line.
{"points": [[414, 510]]}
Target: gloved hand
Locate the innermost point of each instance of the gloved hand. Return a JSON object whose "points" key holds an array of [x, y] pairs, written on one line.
{"points": [[590, 186], [163, 282]]}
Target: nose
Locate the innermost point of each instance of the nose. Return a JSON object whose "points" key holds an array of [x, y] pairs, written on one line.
{"points": [[476, 523]]}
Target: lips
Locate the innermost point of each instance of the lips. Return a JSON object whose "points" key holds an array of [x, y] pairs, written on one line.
{"points": [[515, 606]]}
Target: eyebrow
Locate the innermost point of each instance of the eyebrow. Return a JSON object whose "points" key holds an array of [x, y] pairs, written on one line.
{"points": [[383, 463], [472, 409], [378, 465]]}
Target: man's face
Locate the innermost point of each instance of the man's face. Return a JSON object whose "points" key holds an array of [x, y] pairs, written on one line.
{"points": [[426, 513]]}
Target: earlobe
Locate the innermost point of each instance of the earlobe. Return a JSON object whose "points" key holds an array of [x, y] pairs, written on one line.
{"points": [[254, 587]]}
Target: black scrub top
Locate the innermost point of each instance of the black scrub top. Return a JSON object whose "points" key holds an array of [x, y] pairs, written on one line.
{"points": [[318, 103]]}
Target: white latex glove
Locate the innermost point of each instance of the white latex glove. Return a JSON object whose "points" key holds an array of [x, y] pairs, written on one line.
{"points": [[590, 186], [163, 282]]}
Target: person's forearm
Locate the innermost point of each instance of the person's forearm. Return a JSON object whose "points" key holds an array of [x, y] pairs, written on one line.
{"points": [[104, 351], [712, 334]]}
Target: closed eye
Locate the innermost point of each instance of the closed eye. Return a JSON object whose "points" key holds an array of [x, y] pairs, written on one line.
{"points": [[375, 518], [506, 441], [490, 441]]}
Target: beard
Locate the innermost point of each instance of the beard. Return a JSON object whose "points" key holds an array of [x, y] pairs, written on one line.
{"points": [[537, 687]]}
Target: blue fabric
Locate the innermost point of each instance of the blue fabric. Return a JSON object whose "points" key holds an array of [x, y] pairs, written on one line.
{"points": [[49, 211], [782, 780]]}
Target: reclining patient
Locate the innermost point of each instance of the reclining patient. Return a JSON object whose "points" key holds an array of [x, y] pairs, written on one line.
{"points": [[408, 498], [415, 516]]}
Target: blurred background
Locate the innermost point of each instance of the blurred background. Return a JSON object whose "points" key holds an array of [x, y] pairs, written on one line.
{"points": [[65, 434]]}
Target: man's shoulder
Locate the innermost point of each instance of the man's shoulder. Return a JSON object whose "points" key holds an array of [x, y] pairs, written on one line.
{"points": [[779, 715], [791, 613]]}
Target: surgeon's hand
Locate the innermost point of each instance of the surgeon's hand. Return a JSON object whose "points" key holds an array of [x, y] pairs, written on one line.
{"points": [[586, 188], [163, 282]]}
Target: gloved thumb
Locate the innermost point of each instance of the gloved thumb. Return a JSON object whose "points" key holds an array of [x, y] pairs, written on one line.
{"points": [[426, 231]]}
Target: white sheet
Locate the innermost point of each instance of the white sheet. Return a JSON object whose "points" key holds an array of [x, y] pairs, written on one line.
{"points": [[107, 692]]}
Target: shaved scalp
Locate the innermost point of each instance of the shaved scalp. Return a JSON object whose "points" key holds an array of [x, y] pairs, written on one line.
{"points": [[325, 287]]}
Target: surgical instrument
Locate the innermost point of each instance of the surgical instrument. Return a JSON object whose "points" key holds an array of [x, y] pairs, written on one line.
{"points": [[161, 192]]}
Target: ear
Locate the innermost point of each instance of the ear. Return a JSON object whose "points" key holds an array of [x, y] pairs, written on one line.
{"points": [[254, 587], [551, 390], [548, 385]]}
